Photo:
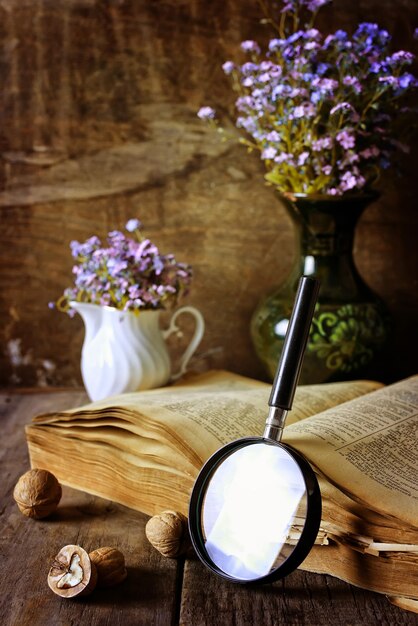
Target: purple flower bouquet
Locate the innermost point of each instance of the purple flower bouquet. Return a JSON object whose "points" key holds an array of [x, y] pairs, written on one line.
{"points": [[322, 110], [127, 274]]}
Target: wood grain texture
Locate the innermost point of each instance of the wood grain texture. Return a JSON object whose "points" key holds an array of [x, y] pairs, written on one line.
{"points": [[98, 124], [298, 600]]}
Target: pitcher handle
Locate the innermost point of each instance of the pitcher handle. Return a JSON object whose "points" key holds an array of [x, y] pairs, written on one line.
{"points": [[195, 340]]}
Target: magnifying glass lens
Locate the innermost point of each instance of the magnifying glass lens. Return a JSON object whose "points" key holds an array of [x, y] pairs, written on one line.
{"points": [[253, 511]]}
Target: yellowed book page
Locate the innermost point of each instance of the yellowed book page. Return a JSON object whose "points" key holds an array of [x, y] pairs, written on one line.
{"points": [[206, 411], [153, 452], [368, 447], [392, 575], [312, 399], [408, 604], [118, 477], [143, 439], [309, 399], [74, 448], [199, 424], [342, 515]]}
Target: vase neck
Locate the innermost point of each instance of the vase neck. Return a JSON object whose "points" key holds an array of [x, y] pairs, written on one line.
{"points": [[326, 227], [325, 230]]}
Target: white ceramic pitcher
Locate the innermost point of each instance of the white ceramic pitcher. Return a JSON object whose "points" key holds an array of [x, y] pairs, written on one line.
{"points": [[124, 351]]}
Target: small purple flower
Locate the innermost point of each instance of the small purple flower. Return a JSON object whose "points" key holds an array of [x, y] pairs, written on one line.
{"points": [[134, 291], [273, 136], [324, 143], [407, 80], [228, 67], [327, 85], [303, 157], [248, 68], [298, 111], [348, 181], [280, 90], [312, 33], [268, 153], [248, 81], [116, 237], [75, 247], [133, 224], [309, 109], [158, 265], [206, 113], [275, 44], [296, 36], [322, 68], [340, 35], [284, 157], [314, 5], [401, 56], [346, 139], [247, 123], [316, 96], [353, 82], [311, 45], [264, 78], [115, 267], [289, 6], [250, 46], [86, 248], [351, 181], [327, 169]]}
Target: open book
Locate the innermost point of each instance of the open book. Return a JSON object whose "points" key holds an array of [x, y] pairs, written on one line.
{"points": [[145, 450]]}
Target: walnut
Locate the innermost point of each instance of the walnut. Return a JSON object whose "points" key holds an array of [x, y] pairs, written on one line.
{"points": [[37, 493], [110, 565], [168, 533], [72, 573]]}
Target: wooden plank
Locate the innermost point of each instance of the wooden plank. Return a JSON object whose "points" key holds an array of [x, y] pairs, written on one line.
{"points": [[27, 547], [300, 599]]}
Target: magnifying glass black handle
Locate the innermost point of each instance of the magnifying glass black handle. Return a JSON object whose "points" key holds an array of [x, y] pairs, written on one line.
{"points": [[290, 363]]}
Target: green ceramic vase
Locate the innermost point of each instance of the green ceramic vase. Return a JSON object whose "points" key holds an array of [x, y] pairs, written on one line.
{"points": [[351, 324]]}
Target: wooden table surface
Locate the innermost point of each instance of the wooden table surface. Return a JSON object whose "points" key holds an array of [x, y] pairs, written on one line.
{"points": [[157, 590]]}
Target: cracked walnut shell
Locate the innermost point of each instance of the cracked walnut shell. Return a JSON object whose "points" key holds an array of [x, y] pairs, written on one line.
{"points": [[37, 493], [110, 565], [72, 573]]}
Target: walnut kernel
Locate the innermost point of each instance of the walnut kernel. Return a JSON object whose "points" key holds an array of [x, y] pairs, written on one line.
{"points": [[168, 533], [110, 565], [72, 573], [37, 493]]}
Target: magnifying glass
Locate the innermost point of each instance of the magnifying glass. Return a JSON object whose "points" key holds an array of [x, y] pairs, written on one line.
{"points": [[255, 508]]}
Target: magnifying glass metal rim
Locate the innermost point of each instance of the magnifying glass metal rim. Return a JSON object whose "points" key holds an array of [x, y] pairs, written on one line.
{"points": [[308, 534]]}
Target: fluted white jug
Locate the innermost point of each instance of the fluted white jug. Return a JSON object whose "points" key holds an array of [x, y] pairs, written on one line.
{"points": [[124, 351]]}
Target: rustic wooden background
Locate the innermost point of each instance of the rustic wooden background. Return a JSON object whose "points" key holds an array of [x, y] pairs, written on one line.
{"points": [[98, 124]]}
